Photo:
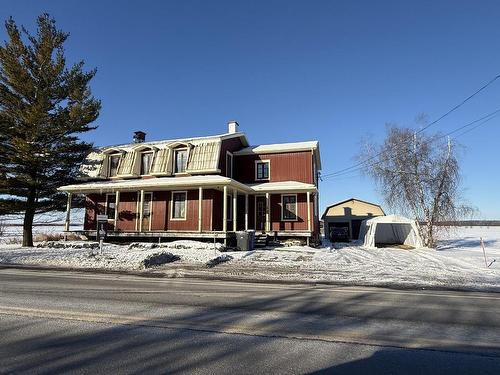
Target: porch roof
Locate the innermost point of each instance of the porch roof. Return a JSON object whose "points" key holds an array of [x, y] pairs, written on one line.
{"points": [[160, 183], [283, 186], [170, 183]]}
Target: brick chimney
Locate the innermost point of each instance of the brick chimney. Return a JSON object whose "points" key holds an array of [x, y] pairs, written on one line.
{"points": [[232, 127], [139, 136]]}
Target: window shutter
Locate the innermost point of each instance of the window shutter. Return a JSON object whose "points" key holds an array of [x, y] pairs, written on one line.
{"points": [[162, 163], [126, 164], [103, 168]]}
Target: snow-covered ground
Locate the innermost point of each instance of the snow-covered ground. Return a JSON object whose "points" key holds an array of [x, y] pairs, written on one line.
{"points": [[457, 263]]}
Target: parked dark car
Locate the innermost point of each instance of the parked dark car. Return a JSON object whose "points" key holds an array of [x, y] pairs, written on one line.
{"points": [[339, 234]]}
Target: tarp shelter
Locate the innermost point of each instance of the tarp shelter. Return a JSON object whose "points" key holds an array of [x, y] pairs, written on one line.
{"points": [[390, 230]]}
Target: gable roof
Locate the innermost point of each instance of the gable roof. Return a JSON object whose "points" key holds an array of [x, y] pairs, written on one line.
{"points": [[348, 200], [277, 148]]}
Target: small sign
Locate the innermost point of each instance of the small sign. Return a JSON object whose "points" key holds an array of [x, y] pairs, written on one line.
{"points": [[102, 218]]}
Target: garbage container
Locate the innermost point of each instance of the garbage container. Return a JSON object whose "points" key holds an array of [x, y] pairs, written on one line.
{"points": [[242, 240], [251, 239]]}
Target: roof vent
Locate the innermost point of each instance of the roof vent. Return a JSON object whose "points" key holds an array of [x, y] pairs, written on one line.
{"points": [[139, 137], [232, 127]]}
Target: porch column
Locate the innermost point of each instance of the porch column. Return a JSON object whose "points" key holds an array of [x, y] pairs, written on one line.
{"points": [[268, 208], [68, 212], [141, 210], [117, 202], [235, 211], [200, 203], [309, 211], [246, 211], [224, 210]]}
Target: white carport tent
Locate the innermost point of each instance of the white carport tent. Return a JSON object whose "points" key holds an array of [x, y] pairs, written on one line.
{"points": [[391, 229]]}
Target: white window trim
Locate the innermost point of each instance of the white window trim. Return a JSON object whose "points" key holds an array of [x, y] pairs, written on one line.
{"points": [[296, 207], [152, 160], [268, 170], [174, 159], [109, 156], [229, 206], [106, 204], [229, 153], [150, 210], [172, 205]]}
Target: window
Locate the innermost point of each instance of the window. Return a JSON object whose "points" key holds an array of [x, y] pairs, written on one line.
{"points": [[179, 205], [229, 207], [146, 159], [262, 170], [114, 161], [110, 206], [288, 207], [229, 165], [180, 161]]}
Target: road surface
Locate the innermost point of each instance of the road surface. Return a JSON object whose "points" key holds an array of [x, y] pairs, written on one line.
{"points": [[54, 322]]}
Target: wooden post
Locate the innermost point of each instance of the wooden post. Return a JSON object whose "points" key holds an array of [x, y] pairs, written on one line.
{"points": [[117, 202], [246, 211], [309, 211], [200, 204], [141, 210], [235, 211], [268, 208], [224, 210], [68, 212]]}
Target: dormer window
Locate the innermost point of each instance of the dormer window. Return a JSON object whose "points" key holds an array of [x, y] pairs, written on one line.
{"points": [[146, 161], [262, 169], [180, 160], [113, 163]]}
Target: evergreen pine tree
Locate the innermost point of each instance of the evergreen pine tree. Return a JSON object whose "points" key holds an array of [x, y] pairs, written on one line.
{"points": [[44, 105]]}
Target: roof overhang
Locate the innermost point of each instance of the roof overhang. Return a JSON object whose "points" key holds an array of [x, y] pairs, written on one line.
{"points": [[283, 187]]}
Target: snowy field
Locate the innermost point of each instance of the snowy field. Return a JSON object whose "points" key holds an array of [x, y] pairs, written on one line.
{"points": [[457, 263]]}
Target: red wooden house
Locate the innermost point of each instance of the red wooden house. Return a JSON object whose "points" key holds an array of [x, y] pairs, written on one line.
{"points": [[205, 187]]}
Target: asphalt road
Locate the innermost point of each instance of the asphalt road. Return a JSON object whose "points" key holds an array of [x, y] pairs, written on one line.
{"points": [[54, 322]]}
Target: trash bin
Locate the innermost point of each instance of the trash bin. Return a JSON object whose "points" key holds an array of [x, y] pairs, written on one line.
{"points": [[242, 240], [245, 240], [251, 239]]}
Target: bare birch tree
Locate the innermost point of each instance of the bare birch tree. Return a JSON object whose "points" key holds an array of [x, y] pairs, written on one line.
{"points": [[418, 176]]}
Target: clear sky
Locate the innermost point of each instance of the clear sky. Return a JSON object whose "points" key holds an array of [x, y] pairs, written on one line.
{"points": [[335, 71]]}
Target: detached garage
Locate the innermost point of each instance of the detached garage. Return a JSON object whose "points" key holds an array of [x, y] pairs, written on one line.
{"points": [[349, 214]]}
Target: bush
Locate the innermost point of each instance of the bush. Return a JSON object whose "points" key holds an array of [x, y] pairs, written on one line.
{"points": [[158, 259], [220, 259]]}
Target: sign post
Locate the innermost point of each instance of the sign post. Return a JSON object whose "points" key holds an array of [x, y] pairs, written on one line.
{"points": [[102, 230]]}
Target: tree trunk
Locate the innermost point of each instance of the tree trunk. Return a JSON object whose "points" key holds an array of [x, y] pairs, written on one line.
{"points": [[28, 219]]}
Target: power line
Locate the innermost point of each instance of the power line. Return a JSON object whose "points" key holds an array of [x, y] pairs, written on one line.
{"points": [[424, 128], [482, 120]]}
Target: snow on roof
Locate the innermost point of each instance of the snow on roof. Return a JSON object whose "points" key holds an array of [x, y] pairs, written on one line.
{"points": [[185, 182], [158, 183], [278, 147], [390, 219], [182, 140], [283, 147], [283, 186]]}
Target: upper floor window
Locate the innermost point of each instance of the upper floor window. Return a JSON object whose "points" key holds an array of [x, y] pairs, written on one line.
{"points": [[229, 165], [262, 169], [146, 160], [114, 161], [180, 160], [289, 207]]}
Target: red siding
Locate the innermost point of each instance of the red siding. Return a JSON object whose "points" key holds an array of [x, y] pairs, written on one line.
{"points": [[231, 145], [301, 222], [127, 211], [94, 205], [292, 166]]}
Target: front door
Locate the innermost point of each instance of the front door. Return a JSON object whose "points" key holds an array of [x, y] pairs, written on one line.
{"points": [[146, 212], [260, 213]]}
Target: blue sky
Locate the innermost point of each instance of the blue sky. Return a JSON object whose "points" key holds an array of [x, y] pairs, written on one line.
{"points": [[335, 71]]}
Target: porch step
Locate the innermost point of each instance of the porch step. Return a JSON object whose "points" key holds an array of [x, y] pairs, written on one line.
{"points": [[260, 240]]}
